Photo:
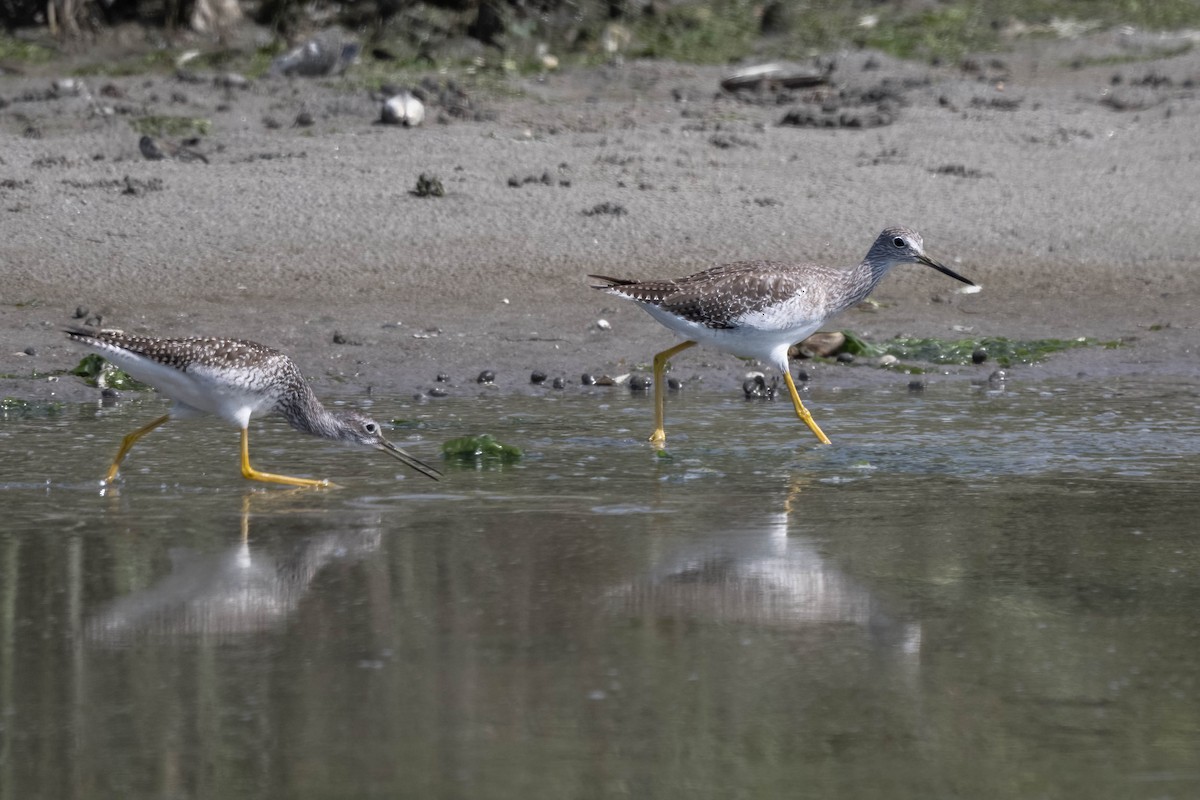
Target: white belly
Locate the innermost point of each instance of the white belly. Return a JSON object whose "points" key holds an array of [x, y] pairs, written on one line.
{"points": [[201, 390], [765, 336]]}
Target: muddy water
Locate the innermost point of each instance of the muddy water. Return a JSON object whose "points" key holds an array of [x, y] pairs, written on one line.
{"points": [[971, 593]]}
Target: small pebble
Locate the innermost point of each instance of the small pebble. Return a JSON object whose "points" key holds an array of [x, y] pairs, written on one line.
{"points": [[845, 358], [997, 378], [802, 375], [587, 380], [537, 376], [304, 119], [888, 360], [756, 387], [430, 186], [231, 80], [487, 376], [443, 377], [916, 385], [979, 356], [438, 391], [604, 325], [559, 383], [110, 393], [824, 345], [80, 312], [639, 383], [404, 109], [30, 351], [68, 86], [674, 384]]}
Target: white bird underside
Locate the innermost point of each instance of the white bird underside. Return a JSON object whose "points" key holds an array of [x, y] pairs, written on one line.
{"points": [[758, 334], [229, 393]]}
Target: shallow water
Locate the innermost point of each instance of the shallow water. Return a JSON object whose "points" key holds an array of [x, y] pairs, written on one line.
{"points": [[969, 594]]}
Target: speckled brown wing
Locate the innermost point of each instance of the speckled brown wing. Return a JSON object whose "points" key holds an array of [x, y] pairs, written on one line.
{"points": [[180, 353], [721, 296], [204, 374]]}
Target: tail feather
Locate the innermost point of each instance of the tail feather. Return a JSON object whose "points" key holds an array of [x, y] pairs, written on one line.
{"points": [[79, 333], [611, 283]]}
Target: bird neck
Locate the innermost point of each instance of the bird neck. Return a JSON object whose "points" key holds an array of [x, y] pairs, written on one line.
{"points": [[305, 413], [861, 281]]}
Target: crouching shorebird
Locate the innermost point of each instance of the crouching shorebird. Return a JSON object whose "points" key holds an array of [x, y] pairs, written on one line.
{"points": [[758, 309], [235, 380]]}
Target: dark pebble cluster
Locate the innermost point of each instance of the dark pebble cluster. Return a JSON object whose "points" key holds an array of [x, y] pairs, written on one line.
{"points": [[487, 377], [545, 179]]}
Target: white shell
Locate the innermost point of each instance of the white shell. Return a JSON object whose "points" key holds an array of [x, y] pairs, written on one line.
{"points": [[403, 109]]}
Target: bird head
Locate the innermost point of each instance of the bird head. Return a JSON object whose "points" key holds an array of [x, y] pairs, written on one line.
{"points": [[904, 246], [360, 429]]}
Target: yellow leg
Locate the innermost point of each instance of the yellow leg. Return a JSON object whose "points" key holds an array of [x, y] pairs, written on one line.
{"points": [[659, 436], [127, 444], [251, 473], [801, 411]]}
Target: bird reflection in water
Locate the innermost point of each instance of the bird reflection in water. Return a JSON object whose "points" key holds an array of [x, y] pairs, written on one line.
{"points": [[240, 590], [772, 579]]}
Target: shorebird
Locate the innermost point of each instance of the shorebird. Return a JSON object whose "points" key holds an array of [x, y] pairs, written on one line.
{"points": [[758, 309], [235, 380]]}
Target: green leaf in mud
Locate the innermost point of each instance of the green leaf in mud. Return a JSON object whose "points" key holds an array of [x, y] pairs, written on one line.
{"points": [[97, 372], [483, 446], [1002, 351], [856, 345]]}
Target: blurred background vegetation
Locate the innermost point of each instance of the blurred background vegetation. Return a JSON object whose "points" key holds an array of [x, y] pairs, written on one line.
{"points": [[527, 32]]}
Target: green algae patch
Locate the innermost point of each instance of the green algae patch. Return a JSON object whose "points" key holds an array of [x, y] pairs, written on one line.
{"points": [[97, 372], [14, 408], [16, 51], [481, 447], [703, 33], [1001, 351]]}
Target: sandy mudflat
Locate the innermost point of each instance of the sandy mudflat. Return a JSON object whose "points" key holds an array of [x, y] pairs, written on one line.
{"points": [[1073, 200]]}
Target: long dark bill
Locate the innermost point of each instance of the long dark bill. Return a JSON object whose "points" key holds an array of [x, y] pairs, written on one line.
{"points": [[410, 461], [929, 262]]}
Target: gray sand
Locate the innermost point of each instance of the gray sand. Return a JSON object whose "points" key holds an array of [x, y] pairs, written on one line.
{"points": [[1076, 211]]}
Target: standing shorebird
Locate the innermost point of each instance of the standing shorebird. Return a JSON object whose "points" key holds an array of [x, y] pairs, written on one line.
{"points": [[758, 309], [235, 380]]}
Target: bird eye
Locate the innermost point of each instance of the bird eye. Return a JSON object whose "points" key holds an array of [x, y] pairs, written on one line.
{"points": [[898, 241], [371, 428]]}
